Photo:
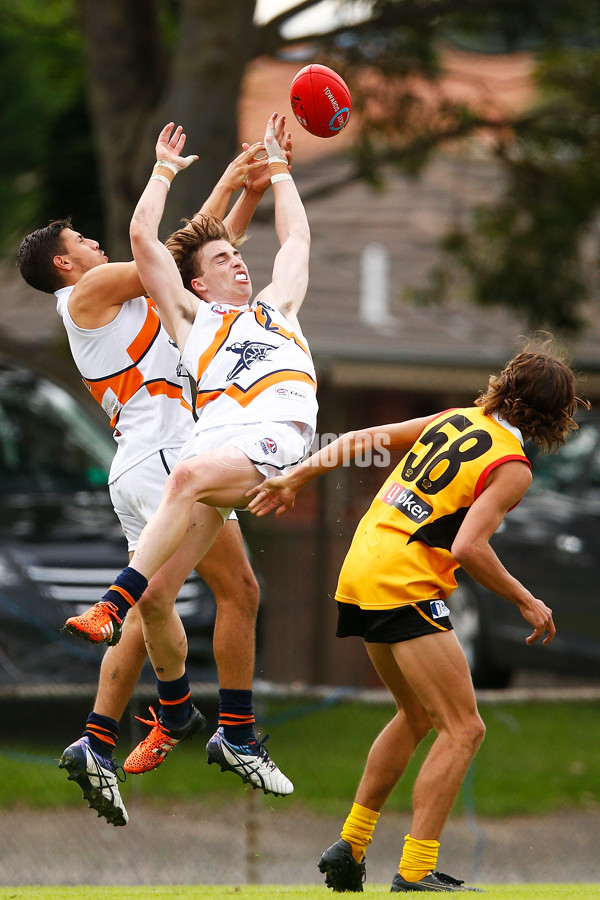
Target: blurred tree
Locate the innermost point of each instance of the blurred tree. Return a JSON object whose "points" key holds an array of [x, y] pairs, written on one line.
{"points": [[47, 160], [150, 61]]}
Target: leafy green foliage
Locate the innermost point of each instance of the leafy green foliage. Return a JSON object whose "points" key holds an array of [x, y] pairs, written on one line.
{"points": [[528, 250], [534, 248], [47, 163]]}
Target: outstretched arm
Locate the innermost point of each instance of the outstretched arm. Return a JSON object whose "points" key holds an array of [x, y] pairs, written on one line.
{"points": [[257, 181], [279, 493], [290, 270], [503, 489], [250, 173], [233, 178], [156, 267]]}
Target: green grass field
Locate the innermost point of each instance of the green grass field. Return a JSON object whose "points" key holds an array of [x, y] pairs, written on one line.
{"points": [[279, 892], [536, 758]]}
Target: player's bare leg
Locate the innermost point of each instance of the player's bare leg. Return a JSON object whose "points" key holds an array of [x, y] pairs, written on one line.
{"points": [[234, 747], [436, 668], [227, 571], [213, 479], [393, 748], [166, 643], [343, 864], [89, 760]]}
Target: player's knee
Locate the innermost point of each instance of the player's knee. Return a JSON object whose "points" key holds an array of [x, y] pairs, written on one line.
{"points": [[182, 482], [242, 592], [479, 733], [472, 734], [156, 601], [249, 592]]}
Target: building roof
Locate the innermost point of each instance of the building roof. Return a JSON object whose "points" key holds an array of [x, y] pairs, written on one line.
{"points": [[406, 218]]}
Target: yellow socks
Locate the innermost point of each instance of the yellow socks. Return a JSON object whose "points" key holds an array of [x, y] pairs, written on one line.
{"points": [[418, 858], [358, 829]]}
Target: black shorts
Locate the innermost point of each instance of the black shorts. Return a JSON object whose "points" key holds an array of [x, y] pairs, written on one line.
{"points": [[390, 626]]}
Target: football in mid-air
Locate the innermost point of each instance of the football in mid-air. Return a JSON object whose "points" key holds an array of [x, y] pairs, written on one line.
{"points": [[320, 100]]}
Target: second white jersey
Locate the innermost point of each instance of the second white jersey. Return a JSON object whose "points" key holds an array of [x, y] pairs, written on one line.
{"points": [[249, 366], [132, 368]]}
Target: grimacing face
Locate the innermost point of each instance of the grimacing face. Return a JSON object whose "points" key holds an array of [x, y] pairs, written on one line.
{"points": [[223, 276]]}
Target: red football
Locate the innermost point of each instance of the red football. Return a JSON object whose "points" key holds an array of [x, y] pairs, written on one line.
{"points": [[320, 100]]}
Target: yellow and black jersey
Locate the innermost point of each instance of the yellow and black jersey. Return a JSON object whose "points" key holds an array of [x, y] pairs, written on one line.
{"points": [[400, 553]]}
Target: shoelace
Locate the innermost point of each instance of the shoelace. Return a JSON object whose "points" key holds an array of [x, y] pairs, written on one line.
{"points": [[112, 609], [261, 750], [105, 781], [154, 723]]}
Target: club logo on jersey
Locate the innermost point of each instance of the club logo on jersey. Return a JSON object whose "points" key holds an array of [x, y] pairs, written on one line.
{"points": [[221, 310], [250, 353], [408, 503], [268, 445], [439, 610]]}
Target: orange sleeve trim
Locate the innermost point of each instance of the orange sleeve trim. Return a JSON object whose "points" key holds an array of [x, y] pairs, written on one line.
{"points": [[427, 619], [125, 594]]}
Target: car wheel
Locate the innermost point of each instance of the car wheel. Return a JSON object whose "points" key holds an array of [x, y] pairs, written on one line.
{"points": [[468, 623]]}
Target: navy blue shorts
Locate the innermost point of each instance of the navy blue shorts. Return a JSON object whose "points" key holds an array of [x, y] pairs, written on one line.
{"points": [[390, 626]]}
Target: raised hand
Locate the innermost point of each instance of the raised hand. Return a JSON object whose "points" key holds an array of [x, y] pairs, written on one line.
{"points": [[246, 167], [169, 147], [259, 179], [274, 134]]}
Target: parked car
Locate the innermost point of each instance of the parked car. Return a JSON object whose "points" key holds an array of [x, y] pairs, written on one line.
{"points": [[60, 541], [551, 543]]}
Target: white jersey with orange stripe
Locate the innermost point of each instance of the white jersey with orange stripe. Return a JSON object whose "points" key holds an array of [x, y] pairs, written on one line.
{"points": [[132, 368], [249, 366]]}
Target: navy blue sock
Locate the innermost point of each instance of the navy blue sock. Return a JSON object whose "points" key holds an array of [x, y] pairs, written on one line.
{"points": [[102, 733], [127, 589], [175, 701], [236, 716]]}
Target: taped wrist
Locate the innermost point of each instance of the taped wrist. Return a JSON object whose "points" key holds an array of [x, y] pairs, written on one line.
{"points": [[278, 169], [164, 171]]}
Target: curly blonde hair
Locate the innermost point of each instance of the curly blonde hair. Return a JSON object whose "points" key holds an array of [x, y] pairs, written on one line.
{"points": [[185, 244], [536, 393]]}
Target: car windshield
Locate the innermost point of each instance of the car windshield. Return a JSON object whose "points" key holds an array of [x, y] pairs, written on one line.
{"points": [[48, 441]]}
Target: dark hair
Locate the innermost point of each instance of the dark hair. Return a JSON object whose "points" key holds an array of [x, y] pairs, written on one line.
{"points": [[536, 393], [35, 255], [186, 243]]}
